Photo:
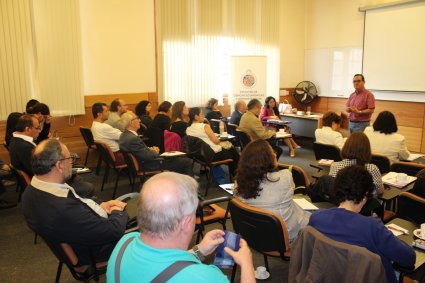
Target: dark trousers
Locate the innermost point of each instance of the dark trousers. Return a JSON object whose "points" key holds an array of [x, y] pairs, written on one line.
{"points": [[231, 153]]}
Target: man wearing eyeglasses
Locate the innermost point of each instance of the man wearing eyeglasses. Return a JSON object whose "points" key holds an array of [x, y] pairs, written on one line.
{"points": [[55, 211], [360, 105]]}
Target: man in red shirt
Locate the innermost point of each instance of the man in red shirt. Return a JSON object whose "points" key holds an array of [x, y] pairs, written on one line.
{"points": [[360, 105]]}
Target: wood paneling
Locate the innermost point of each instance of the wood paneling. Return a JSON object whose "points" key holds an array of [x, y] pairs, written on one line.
{"points": [[408, 114], [413, 137]]}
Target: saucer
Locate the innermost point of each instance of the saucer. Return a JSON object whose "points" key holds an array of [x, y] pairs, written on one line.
{"points": [[263, 276], [417, 233]]}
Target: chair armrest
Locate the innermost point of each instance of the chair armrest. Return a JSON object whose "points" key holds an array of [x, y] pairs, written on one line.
{"points": [[403, 269], [134, 229], [316, 166], [213, 201]]}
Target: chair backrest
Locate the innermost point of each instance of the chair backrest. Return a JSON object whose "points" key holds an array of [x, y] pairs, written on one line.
{"points": [[156, 137], [409, 168], [106, 153], [6, 146], [264, 231], [172, 141], [131, 161], [198, 149], [215, 125], [244, 137], [411, 207], [87, 136], [322, 190], [382, 162], [22, 178], [326, 151], [298, 174], [231, 129], [419, 186], [312, 250]]}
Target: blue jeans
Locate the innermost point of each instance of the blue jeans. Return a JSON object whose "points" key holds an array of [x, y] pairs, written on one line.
{"points": [[358, 126]]}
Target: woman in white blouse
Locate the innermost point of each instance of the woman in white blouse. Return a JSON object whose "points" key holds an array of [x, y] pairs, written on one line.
{"points": [[329, 133], [384, 139]]}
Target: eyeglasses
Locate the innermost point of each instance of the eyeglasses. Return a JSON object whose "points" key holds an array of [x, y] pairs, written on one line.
{"points": [[37, 128], [356, 81], [73, 158]]}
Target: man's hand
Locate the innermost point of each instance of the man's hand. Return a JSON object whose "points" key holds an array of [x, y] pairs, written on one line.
{"points": [[211, 241], [154, 148], [243, 256], [5, 167], [112, 205]]}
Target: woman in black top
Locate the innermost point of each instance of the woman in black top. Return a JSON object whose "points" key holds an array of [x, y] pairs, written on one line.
{"points": [[211, 110], [162, 120], [179, 118], [142, 111]]}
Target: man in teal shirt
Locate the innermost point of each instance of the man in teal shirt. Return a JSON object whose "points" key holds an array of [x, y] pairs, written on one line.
{"points": [[166, 217]]}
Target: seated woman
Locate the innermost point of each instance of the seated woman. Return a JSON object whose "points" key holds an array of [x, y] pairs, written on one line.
{"points": [[259, 183], [211, 110], [329, 133], [179, 118], [162, 120], [142, 111], [356, 151], [198, 129], [353, 185], [384, 139], [11, 122]]}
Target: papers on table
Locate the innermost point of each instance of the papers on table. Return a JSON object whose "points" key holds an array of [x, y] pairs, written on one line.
{"points": [[81, 170], [326, 162], [281, 135], [305, 204], [397, 230], [391, 179], [314, 116], [228, 188], [172, 153], [414, 156]]}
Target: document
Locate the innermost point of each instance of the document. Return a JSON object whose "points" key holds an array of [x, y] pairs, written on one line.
{"points": [[228, 188], [305, 204], [172, 153], [414, 156]]}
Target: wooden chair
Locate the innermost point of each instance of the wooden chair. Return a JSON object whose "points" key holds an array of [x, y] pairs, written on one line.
{"points": [[411, 207], [409, 168], [382, 162], [210, 212], [89, 140], [264, 231], [22, 179]]}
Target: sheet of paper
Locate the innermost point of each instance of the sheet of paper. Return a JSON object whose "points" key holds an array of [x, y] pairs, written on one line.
{"points": [[305, 204], [172, 153], [283, 135], [414, 156], [326, 162], [397, 230], [228, 187], [391, 179]]}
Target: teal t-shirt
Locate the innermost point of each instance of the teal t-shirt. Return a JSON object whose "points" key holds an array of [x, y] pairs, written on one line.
{"points": [[142, 263]]}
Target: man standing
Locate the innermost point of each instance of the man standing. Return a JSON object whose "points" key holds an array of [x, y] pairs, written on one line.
{"points": [[118, 107], [360, 105], [55, 211], [240, 109], [166, 234]]}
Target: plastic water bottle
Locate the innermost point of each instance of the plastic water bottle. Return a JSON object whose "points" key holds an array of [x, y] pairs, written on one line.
{"points": [[221, 127]]}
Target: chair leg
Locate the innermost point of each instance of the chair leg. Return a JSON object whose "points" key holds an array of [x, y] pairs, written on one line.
{"points": [[87, 156], [266, 263], [116, 184], [99, 163], [209, 177], [200, 234], [35, 238], [105, 177], [235, 267], [58, 272]]}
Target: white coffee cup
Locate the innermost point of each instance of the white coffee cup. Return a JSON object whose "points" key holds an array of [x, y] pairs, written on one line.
{"points": [[261, 272], [281, 131], [422, 230], [401, 178], [224, 134]]}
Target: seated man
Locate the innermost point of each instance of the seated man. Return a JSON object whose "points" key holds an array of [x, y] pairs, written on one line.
{"points": [[22, 145], [130, 142], [118, 107], [104, 132], [166, 234], [56, 212], [240, 109], [329, 133], [352, 187], [252, 124]]}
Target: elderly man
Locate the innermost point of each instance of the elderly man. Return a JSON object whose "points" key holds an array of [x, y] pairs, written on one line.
{"points": [[56, 212], [166, 234], [130, 142], [240, 109], [118, 107], [360, 105], [252, 125]]}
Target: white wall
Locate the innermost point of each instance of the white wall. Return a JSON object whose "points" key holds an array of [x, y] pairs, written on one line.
{"points": [[118, 45]]}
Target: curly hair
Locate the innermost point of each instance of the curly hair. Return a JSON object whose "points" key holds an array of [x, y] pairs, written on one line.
{"points": [[330, 117], [257, 159], [353, 183]]}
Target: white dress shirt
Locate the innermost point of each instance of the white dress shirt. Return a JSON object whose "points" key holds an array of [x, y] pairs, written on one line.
{"points": [[105, 133], [326, 135]]}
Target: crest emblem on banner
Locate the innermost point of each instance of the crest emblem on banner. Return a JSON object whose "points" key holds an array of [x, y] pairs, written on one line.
{"points": [[249, 79]]}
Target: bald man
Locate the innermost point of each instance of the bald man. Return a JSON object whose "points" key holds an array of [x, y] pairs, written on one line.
{"points": [[165, 236], [240, 109]]}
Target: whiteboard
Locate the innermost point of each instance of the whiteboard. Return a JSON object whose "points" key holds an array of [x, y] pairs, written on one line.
{"points": [[394, 48]]}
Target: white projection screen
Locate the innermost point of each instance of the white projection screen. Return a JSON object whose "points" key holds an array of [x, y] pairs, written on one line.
{"points": [[394, 48]]}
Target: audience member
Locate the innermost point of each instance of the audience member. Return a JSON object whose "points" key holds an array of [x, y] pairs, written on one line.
{"points": [[130, 142], [259, 183], [198, 129], [162, 120], [240, 109], [212, 111], [11, 122], [384, 138], [356, 151], [42, 112], [30, 104], [143, 109], [56, 212], [118, 107], [179, 118], [329, 133], [252, 125], [353, 186], [165, 236], [104, 132], [269, 110]]}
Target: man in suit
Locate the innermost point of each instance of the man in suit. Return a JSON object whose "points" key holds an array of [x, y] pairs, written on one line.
{"points": [[130, 142], [240, 109], [252, 124]]}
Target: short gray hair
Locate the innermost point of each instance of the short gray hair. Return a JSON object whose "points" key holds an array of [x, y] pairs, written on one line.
{"points": [[126, 118], [155, 219], [44, 159]]}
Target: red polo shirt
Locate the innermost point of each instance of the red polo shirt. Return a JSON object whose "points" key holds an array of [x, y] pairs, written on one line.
{"points": [[362, 100]]}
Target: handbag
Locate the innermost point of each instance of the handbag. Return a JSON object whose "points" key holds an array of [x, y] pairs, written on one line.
{"points": [[226, 144], [285, 107]]}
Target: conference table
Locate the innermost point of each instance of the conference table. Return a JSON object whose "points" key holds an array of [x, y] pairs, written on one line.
{"points": [[303, 125]]}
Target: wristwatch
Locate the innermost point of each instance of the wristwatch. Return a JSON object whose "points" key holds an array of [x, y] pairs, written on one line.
{"points": [[198, 253]]}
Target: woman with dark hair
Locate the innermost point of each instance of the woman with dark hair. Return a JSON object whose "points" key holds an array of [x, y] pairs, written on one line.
{"points": [[211, 110], [162, 120], [179, 118], [11, 122], [269, 110], [259, 183], [356, 151], [353, 185], [42, 112], [142, 111], [329, 133], [197, 128], [384, 138]]}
